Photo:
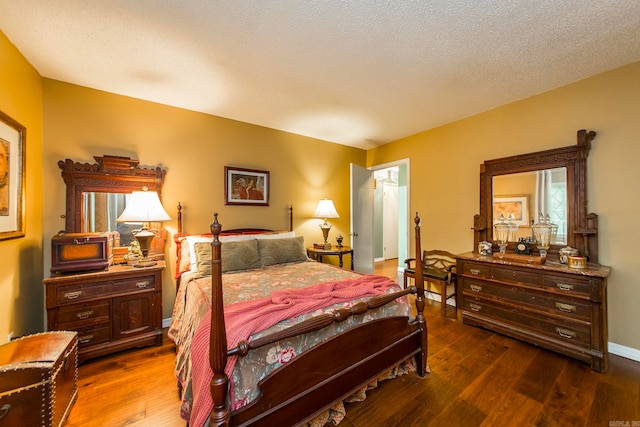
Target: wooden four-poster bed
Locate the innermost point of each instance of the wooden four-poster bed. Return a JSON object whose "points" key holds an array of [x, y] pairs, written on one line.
{"points": [[363, 339]]}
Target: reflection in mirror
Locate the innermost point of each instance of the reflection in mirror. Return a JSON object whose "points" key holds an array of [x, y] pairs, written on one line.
{"points": [[527, 195], [100, 211]]}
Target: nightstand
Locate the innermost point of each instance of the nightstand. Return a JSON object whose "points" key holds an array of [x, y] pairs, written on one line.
{"points": [[317, 254], [111, 310]]}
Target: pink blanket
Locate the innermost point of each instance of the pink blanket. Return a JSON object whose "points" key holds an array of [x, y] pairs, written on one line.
{"points": [[246, 318]]}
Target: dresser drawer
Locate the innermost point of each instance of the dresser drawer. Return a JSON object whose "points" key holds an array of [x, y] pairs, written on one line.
{"points": [[549, 303], [476, 270], [516, 276], [522, 319], [580, 286], [79, 315], [67, 294], [92, 335]]}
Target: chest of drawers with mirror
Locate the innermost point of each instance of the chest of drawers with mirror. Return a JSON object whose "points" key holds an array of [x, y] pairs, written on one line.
{"points": [[539, 300], [121, 307]]}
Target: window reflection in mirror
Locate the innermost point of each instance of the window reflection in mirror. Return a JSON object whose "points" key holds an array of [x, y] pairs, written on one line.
{"points": [[526, 195], [101, 211]]}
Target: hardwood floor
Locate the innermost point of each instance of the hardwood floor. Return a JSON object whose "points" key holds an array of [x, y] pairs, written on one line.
{"points": [[478, 378]]}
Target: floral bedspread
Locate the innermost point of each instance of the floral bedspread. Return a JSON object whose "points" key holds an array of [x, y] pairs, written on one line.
{"points": [[193, 301]]}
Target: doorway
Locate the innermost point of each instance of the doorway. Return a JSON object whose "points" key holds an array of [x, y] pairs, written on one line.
{"points": [[368, 223], [391, 219]]}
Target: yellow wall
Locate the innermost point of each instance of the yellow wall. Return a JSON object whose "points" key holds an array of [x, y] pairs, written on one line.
{"points": [[445, 165], [21, 290], [194, 148]]}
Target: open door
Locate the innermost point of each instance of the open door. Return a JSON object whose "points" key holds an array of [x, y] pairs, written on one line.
{"points": [[362, 219]]}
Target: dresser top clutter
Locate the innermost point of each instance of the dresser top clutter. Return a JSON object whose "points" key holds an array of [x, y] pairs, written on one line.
{"points": [[534, 273]]}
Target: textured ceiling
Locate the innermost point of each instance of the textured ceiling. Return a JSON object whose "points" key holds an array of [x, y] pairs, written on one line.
{"points": [[359, 73]]}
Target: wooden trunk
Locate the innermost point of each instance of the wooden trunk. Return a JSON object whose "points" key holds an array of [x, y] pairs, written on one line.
{"points": [[38, 379]]}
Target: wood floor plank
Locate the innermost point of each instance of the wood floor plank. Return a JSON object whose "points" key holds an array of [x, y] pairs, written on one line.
{"points": [[541, 374], [459, 413], [570, 401], [515, 409], [490, 389]]}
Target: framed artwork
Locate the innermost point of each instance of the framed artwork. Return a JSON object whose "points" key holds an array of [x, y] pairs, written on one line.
{"points": [[246, 186], [12, 177], [517, 206]]}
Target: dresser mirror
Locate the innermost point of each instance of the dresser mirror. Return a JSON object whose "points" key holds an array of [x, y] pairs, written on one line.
{"points": [[527, 195], [551, 182], [97, 193]]}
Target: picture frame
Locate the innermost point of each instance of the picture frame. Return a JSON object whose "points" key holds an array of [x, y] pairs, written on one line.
{"points": [[248, 187], [516, 205], [12, 178]]}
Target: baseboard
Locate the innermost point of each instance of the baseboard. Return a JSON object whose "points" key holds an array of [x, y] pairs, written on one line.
{"points": [[166, 322], [623, 351]]}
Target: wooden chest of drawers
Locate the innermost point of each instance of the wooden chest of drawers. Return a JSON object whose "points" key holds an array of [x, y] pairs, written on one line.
{"points": [[111, 310], [550, 305]]}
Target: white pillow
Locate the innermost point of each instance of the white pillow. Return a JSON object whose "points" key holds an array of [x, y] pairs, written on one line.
{"points": [[237, 237], [284, 235]]}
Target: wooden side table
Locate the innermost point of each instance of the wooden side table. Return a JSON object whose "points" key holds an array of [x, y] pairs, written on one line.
{"points": [[317, 254]]}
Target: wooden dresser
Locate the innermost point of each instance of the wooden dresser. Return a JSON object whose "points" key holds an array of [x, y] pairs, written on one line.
{"points": [[550, 305], [111, 310]]}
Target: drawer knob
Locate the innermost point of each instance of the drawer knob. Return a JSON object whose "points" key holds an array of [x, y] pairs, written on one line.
{"points": [[474, 271], [72, 295], [84, 314], [565, 333], [567, 308], [85, 339], [475, 307], [143, 284], [475, 288], [564, 286]]}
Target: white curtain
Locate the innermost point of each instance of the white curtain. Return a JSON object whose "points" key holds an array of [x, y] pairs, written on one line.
{"points": [[543, 190]]}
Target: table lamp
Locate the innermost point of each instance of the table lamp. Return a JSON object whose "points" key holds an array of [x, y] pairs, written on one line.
{"points": [[325, 210], [145, 207]]}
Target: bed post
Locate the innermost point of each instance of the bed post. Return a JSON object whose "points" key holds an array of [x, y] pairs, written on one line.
{"points": [[179, 218], [290, 217], [421, 358], [220, 415]]}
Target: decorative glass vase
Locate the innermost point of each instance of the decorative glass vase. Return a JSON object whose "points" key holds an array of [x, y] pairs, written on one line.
{"points": [[545, 232], [505, 232]]}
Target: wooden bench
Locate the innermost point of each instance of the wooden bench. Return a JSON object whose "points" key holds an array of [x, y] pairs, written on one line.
{"points": [[439, 269]]}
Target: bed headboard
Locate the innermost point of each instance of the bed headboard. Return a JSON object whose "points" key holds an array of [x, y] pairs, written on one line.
{"points": [[184, 241]]}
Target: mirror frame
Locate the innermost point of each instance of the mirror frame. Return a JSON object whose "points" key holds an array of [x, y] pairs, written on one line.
{"points": [[582, 227], [111, 174]]}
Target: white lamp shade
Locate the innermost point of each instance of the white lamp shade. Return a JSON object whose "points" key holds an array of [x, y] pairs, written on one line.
{"points": [[326, 209], [144, 206]]}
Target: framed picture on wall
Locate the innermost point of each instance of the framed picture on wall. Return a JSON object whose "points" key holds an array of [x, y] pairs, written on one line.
{"points": [[12, 177], [516, 206], [246, 186]]}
